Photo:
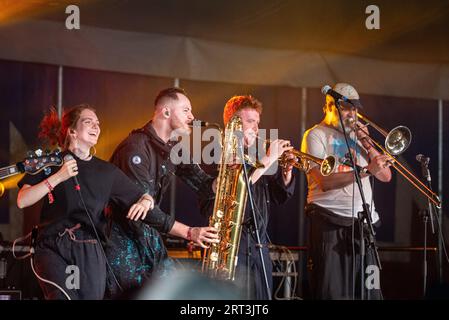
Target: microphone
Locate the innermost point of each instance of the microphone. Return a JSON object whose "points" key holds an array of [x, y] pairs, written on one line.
{"points": [[68, 157], [200, 123], [422, 159], [327, 90], [424, 166]]}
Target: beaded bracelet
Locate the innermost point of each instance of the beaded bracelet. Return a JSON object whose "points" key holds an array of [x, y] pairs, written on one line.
{"points": [[189, 234], [51, 198]]}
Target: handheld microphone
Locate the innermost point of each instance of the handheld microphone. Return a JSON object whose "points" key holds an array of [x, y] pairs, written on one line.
{"points": [[422, 159], [327, 90], [68, 157]]}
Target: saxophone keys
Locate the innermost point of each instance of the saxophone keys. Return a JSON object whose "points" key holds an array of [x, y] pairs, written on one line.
{"points": [[214, 256]]}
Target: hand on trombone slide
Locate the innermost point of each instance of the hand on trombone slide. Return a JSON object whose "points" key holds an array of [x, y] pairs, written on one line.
{"points": [[396, 142], [378, 163]]}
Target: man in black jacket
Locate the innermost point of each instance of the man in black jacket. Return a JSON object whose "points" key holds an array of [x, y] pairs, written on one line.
{"points": [[136, 251]]}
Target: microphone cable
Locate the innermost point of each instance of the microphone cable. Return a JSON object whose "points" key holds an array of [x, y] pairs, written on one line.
{"points": [[33, 235], [78, 189], [98, 239]]}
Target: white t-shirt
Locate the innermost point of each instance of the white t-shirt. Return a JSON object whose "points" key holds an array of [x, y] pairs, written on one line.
{"points": [[322, 141]]}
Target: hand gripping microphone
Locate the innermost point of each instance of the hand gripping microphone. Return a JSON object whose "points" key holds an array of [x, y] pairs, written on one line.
{"points": [[68, 157]]}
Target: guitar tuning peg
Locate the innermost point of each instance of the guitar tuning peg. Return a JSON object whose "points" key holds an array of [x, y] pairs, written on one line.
{"points": [[38, 152]]}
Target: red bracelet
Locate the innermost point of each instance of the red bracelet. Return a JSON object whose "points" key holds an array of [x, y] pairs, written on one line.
{"points": [[189, 234], [51, 199], [49, 186]]}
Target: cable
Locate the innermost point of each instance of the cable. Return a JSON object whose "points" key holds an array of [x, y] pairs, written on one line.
{"points": [[279, 261], [292, 289], [439, 223], [99, 242], [14, 246], [47, 281], [276, 296], [31, 254]]}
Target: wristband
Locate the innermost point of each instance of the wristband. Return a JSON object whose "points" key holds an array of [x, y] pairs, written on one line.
{"points": [[51, 198], [189, 234]]}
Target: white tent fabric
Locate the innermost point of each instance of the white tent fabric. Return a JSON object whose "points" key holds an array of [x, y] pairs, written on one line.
{"points": [[196, 59]]}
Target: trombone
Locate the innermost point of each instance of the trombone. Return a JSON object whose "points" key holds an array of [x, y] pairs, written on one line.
{"points": [[396, 142]]}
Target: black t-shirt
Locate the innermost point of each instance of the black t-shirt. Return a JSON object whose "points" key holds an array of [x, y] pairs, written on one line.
{"points": [[100, 182]]}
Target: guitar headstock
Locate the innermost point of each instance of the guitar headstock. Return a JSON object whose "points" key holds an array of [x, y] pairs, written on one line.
{"points": [[38, 160]]}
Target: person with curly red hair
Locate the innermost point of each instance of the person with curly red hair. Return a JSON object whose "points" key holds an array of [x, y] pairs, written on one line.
{"points": [[266, 188]]}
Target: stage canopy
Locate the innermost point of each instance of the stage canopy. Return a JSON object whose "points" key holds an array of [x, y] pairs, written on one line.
{"points": [[280, 42]]}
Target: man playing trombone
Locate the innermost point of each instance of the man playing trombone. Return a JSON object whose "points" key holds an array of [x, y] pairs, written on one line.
{"points": [[333, 201]]}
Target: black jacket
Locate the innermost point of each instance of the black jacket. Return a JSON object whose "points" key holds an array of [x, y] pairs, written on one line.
{"points": [[145, 158]]}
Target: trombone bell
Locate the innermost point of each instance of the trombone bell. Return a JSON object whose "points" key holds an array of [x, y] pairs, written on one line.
{"points": [[398, 140]]}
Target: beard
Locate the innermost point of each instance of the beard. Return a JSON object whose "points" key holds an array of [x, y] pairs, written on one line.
{"points": [[349, 125], [181, 127]]}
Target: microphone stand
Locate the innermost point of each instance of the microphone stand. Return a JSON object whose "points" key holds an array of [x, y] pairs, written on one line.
{"points": [[363, 216], [429, 212], [253, 211], [426, 174], [425, 214]]}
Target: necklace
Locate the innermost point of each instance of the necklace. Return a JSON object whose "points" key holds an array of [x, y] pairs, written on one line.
{"points": [[81, 154]]}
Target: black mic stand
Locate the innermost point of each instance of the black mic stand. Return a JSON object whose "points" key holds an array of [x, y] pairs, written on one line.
{"points": [[429, 212], [363, 216], [426, 174], [253, 212], [425, 216]]}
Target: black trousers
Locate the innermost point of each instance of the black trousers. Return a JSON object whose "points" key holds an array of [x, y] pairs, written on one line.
{"points": [[334, 258], [249, 271], [74, 261]]}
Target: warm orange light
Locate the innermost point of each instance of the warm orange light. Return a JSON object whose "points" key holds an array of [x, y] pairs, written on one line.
{"points": [[10, 183], [12, 11]]}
